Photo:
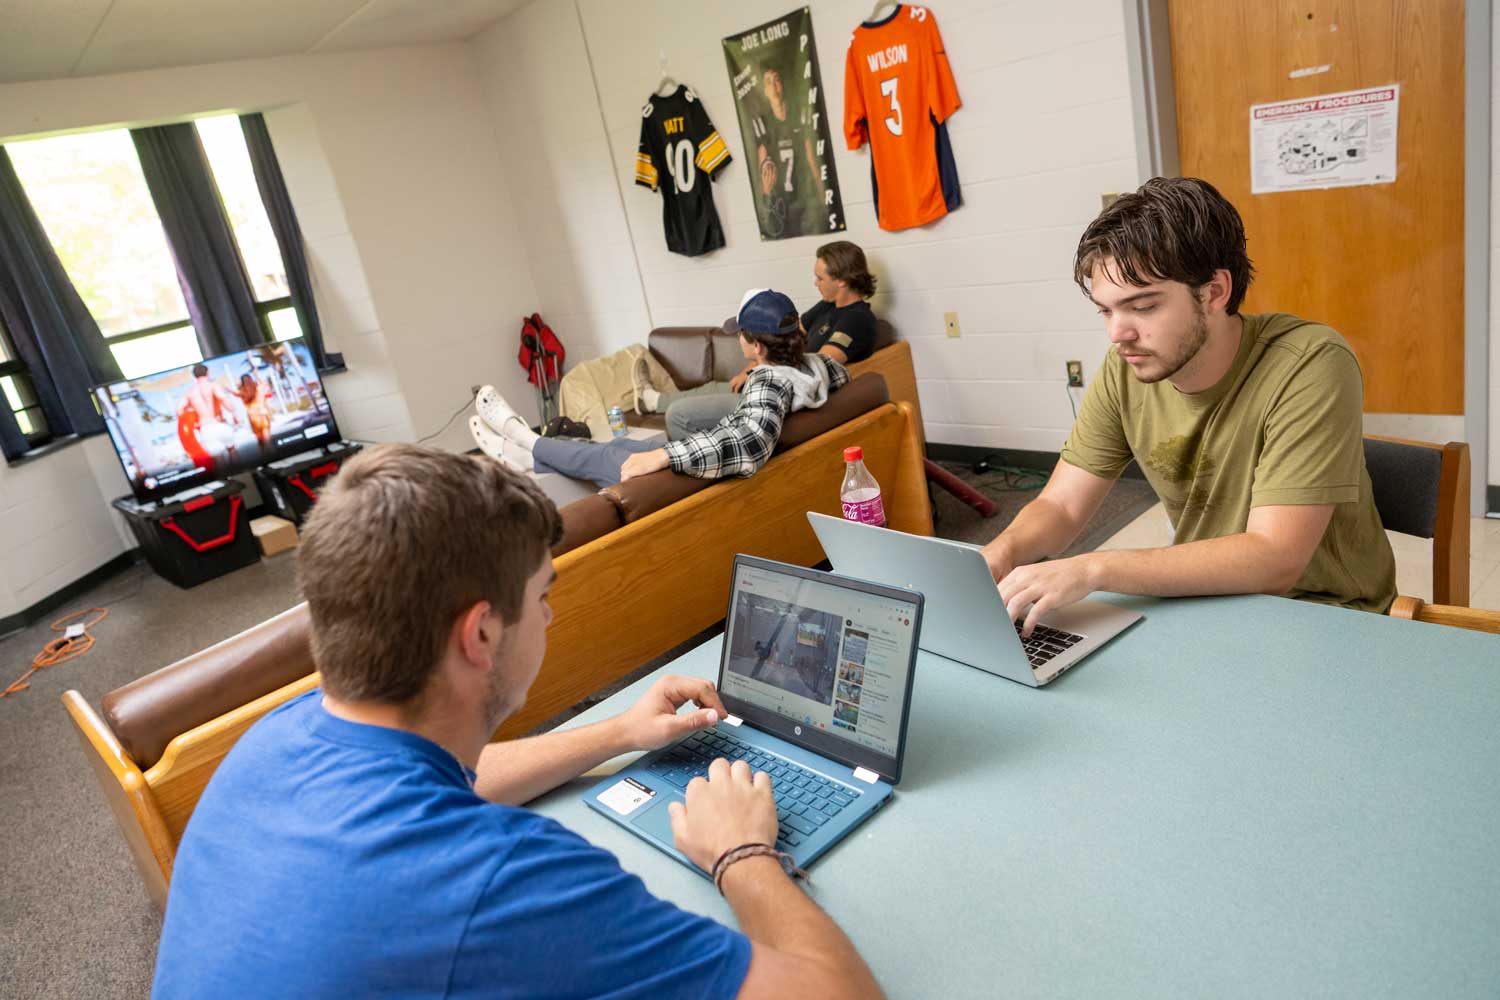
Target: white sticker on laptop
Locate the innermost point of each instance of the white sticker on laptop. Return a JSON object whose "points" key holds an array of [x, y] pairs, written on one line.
{"points": [[866, 775], [626, 796], [732, 720]]}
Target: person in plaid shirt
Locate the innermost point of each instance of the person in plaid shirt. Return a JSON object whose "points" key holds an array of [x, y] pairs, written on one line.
{"points": [[784, 379]]}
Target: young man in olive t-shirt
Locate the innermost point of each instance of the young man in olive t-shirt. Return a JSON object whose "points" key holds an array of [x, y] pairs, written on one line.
{"points": [[1249, 428]]}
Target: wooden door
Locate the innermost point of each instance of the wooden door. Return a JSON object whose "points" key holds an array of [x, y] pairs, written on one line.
{"points": [[1383, 263]]}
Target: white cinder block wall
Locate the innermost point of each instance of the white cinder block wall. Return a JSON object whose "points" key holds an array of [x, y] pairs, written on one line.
{"points": [[1045, 129]]}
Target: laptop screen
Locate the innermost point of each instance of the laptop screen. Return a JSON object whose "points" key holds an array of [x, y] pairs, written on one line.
{"points": [[829, 655]]}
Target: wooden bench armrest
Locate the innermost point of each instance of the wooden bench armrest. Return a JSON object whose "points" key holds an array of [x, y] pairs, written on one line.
{"points": [[128, 795]]}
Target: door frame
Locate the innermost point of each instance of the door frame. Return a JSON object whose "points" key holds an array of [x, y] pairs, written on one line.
{"points": [[1154, 106]]}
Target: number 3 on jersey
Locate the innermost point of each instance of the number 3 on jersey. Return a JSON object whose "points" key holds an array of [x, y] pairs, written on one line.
{"points": [[893, 120], [680, 165]]}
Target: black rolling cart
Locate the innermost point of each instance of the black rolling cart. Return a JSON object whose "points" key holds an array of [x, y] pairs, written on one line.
{"points": [[195, 536], [290, 487]]}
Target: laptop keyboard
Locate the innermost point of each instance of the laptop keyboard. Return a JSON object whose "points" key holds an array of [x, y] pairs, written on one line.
{"points": [[1046, 642], [805, 800]]}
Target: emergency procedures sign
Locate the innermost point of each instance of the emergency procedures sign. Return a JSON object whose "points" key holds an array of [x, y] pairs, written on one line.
{"points": [[1335, 140]]}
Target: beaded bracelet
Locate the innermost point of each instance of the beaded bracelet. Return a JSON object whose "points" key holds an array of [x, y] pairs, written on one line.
{"points": [[744, 851]]}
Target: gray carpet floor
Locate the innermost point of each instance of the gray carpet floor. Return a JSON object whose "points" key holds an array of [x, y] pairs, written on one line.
{"points": [[74, 919]]}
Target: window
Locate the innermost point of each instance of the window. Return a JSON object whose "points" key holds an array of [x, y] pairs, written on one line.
{"points": [[92, 200], [234, 176], [15, 387], [95, 208]]}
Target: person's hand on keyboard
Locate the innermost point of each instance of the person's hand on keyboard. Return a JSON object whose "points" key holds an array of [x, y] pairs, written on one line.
{"points": [[727, 810], [653, 722], [1045, 587]]}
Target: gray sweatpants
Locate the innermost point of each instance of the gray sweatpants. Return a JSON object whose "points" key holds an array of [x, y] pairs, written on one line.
{"points": [[596, 461], [699, 413]]}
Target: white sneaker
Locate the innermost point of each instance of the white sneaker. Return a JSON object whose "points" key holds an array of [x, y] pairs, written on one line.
{"points": [[502, 417], [501, 449]]}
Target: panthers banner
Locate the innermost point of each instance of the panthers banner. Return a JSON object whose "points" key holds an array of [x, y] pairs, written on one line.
{"points": [[778, 91]]}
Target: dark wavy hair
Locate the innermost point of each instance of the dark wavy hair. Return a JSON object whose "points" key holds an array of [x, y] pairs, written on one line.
{"points": [[782, 348], [1172, 229], [845, 262]]}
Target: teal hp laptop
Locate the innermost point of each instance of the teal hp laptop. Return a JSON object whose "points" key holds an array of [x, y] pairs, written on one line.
{"points": [[816, 672]]}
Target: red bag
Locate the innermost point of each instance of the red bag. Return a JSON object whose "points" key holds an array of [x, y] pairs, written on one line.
{"points": [[542, 353]]}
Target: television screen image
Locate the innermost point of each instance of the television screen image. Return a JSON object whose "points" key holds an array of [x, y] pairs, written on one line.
{"points": [[212, 419]]}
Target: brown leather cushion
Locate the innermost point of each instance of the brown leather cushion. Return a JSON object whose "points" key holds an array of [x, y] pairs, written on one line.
{"points": [[585, 520], [861, 395], [148, 713], [885, 335], [648, 494], [686, 352]]}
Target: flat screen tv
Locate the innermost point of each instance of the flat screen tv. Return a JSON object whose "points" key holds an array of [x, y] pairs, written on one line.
{"points": [[206, 421]]}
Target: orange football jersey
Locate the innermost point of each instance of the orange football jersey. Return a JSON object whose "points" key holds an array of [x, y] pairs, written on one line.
{"points": [[898, 92]]}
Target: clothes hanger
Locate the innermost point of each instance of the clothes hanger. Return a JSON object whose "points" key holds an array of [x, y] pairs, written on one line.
{"points": [[666, 86], [875, 14]]}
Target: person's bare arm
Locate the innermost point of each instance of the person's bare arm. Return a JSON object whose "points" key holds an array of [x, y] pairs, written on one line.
{"points": [[1268, 557], [796, 948], [1049, 523], [517, 771]]}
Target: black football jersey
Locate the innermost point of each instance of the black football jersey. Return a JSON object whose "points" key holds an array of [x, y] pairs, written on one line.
{"points": [[678, 141]]}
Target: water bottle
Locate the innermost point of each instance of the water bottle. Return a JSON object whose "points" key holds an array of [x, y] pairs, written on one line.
{"points": [[860, 494], [617, 422]]}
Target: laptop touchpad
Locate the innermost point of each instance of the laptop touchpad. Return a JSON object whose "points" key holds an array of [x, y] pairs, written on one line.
{"points": [[656, 821]]}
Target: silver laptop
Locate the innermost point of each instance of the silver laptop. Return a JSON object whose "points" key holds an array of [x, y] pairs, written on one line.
{"points": [[964, 618]]}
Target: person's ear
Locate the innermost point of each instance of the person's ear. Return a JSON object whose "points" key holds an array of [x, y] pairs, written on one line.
{"points": [[1214, 294], [479, 633]]}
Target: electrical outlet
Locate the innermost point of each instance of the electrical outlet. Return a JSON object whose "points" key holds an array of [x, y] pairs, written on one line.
{"points": [[950, 323], [1107, 199], [1075, 374]]}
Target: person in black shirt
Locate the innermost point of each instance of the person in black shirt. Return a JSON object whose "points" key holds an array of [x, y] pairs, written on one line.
{"points": [[841, 326]]}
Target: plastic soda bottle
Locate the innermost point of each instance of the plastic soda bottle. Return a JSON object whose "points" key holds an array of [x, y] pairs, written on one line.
{"points": [[617, 426], [860, 494]]}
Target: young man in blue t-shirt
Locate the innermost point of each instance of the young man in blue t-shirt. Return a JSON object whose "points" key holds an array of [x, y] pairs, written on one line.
{"points": [[367, 839]]}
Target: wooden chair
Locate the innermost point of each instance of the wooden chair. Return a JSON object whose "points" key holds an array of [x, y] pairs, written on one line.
{"points": [[1446, 614], [1422, 489]]}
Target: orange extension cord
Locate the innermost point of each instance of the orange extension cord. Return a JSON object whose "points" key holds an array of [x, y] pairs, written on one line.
{"points": [[60, 650]]}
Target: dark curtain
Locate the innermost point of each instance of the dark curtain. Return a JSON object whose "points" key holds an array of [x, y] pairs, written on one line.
{"points": [[208, 259], [288, 236], [52, 331]]}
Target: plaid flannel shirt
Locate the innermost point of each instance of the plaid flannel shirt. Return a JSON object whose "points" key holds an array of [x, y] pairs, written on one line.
{"points": [[743, 441]]}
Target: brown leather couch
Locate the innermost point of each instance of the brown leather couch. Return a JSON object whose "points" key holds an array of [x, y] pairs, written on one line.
{"points": [[696, 355], [642, 567]]}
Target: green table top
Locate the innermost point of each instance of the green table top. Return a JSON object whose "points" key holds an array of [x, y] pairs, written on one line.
{"points": [[1242, 796]]}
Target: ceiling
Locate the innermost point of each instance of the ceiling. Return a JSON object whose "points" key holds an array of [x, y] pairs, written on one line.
{"points": [[51, 39]]}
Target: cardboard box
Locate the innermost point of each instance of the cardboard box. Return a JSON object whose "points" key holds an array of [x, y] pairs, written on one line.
{"points": [[275, 534]]}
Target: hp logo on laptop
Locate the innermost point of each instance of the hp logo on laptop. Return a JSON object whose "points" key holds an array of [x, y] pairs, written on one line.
{"points": [[797, 730]]}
